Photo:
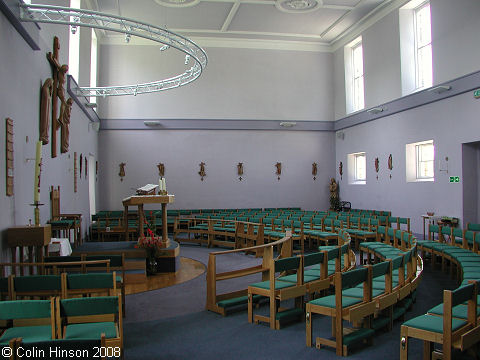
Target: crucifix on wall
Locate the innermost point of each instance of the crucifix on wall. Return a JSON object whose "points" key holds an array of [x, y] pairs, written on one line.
{"points": [[59, 73]]}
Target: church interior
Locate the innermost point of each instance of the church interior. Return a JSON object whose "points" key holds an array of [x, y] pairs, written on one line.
{"points": [[240, 178]]}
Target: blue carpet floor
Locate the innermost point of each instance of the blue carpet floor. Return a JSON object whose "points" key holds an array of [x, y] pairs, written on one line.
{"points": [[172, 323]]}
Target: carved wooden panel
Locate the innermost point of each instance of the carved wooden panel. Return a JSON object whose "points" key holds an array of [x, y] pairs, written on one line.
{"points": [[9, 155]]}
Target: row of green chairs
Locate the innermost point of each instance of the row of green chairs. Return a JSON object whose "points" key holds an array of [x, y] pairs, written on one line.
{"points": [[87, 319], [453, 323], [312, 273]]}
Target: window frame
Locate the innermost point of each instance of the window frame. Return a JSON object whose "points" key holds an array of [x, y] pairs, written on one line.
{"points": [[354, 101], [418, 47], [356, 158], [419, 162]]}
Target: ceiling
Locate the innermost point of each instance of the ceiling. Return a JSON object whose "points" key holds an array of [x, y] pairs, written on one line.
{"points": [[311, 24]]}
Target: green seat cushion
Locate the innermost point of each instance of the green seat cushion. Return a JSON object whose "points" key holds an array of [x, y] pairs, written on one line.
{"points": [[27, 333], [266, 285], [432, 323], [62, 222], [312, 272], [293, 278], [91, 331], [329, 301], [357, 292]]}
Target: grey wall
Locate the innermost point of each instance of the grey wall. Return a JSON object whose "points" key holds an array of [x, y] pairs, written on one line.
{"points": [[182, 151], [454, 29], [449, 123], [237, 84], [21, 75]]}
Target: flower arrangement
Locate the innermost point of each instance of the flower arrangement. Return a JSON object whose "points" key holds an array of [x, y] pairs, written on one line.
{"points": [[152, 242]]}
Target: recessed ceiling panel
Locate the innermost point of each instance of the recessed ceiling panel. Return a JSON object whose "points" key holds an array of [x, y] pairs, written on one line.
{"points": [[267, 18], [205, 15], [341, 2], [352, 18]]}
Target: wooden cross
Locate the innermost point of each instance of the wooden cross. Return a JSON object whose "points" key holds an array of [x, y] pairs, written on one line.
{"points": [[59, 76]]}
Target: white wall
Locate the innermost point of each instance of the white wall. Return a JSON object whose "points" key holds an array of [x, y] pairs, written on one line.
{"points": [[22, 73], [182, 152], [455, 27], [237, 84], [449, 123]]}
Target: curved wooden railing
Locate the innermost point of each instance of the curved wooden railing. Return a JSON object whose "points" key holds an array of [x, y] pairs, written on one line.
{"points": [[286, 250]]}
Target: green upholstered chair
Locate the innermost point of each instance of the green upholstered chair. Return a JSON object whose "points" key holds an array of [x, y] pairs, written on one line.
{"points": [[89, 318], [277, 290], [33, 320], [341, 307], [448, 330]]}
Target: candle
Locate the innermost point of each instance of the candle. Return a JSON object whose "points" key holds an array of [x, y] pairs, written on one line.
{"points": [[159, 186], [164, 185], [38, 164]]}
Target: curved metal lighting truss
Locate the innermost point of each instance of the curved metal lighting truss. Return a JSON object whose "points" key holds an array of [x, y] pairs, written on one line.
{"points": [[87, 18]]}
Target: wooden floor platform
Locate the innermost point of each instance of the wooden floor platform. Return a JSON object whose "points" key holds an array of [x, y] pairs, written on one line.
{"points": [[189, 269]]}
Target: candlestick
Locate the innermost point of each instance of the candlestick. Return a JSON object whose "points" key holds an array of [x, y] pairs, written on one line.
{"points": [[38, 164]]}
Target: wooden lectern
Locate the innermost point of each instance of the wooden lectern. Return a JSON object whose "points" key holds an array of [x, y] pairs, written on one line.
{"points": [[140, 200]]}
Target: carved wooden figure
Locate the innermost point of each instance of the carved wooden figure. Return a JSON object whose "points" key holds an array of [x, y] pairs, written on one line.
{"points": [[334, 199], [65, 127], [390, 164], [75, 171], [45, 109], [240, 170], [340, 170], [58, 83], [202, 172], [81, 164], [314, 170], [278, 172], [122, 171], [161, 169], [377, 166]]}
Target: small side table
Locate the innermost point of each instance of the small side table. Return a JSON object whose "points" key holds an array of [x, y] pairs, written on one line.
{"points": [[31, 237], [430, 221]]}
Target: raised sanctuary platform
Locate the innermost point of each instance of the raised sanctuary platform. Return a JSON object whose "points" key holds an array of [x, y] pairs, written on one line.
{"points": [[135, 258]]}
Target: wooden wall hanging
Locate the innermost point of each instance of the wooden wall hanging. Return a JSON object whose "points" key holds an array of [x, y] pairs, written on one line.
{"points": [[390, 164], [9, 155], [161, 169], [81, 165], [240, 171], [377, 166], [75, 171], [65, 127], [45, 110], [59, 75], [314, 171], [340, 170], [278, 171], [202, 172], [122, 171]]}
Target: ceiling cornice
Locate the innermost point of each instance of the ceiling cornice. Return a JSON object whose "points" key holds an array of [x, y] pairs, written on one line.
{"points": [[217, 42]]}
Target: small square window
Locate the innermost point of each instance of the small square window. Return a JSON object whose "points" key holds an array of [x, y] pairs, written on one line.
{"points": [[424, 153], [420, 159], [360, 167], [357, 168]]}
